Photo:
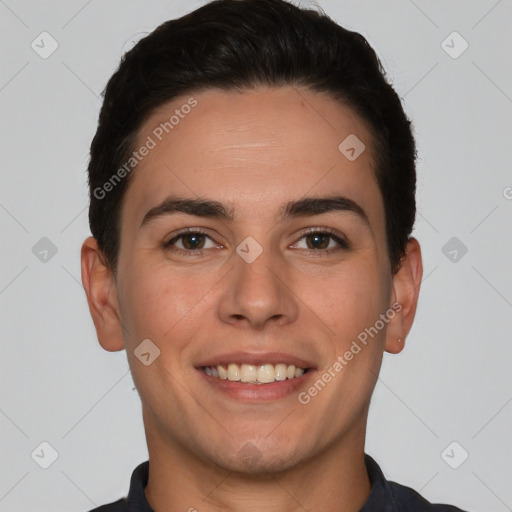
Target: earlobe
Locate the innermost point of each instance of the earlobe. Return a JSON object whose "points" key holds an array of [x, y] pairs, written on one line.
{"points": [[100, 290], [405, 293]]}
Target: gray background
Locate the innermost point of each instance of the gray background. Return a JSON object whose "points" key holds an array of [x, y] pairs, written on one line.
{"points": [[451, 383]]}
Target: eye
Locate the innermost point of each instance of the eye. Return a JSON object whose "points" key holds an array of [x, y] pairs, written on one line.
{"points": [[321, 241], [191, 241], [194, 241]]}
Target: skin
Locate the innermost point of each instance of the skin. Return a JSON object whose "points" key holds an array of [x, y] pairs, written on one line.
{"points": [[253, 151]]}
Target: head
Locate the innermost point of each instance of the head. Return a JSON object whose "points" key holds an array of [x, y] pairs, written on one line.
{"points": [[229, 122]]}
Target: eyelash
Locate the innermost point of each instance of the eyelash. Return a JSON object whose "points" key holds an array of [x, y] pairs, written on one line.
{"points": [[314, 231]]}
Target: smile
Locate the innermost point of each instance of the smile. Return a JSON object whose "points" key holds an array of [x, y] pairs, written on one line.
{"points": [[254, 374]]}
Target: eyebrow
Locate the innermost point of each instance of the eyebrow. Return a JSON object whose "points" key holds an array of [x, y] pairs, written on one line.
{"points": [[208, 208]]}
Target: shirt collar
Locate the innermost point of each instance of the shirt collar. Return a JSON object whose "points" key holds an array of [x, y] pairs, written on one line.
{"points": [[136, 500], [381, 496]]}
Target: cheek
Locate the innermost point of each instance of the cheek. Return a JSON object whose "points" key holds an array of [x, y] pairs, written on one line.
{"points": [[162, 303], [353, 299], [159, 305]]}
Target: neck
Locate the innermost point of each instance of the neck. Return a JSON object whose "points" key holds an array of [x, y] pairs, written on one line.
{"points": [[333, 480]]}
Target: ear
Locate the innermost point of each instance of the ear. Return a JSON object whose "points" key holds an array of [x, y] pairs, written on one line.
{"points": [[405, 292], [99, 285]]}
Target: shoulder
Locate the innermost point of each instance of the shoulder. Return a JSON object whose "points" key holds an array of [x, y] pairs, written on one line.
{"points": [[407, 499], [388, 496], [136, 499], [116, 506]]}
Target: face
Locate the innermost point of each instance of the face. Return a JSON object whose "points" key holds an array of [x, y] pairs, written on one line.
{"points": [[289, 265]]}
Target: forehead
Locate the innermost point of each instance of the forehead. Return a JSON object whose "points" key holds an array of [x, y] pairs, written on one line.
{"points": [[256, 150]]}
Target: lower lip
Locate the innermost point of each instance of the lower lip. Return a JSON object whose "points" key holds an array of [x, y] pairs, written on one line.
{"points": [[258, 392]]}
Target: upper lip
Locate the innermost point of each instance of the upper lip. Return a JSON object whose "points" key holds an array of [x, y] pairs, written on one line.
{"points": [[257, 359]]}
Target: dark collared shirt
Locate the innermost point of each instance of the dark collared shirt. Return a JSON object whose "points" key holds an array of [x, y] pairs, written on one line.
{"points": [[385, 496]]}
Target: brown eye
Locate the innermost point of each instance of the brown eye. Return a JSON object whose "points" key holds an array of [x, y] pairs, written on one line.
{"points": [[192, 241], [318, 241], [189, 242], [323, 241]]}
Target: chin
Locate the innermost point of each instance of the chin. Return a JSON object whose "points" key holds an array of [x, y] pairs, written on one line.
{"points": [[257, 456]]}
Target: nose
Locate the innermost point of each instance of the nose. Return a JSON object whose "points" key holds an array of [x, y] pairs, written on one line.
{"points": [[259, 293]]}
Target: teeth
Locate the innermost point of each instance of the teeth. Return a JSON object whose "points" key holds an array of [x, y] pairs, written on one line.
{"points": [[223, 374], [280, 372], [233, 372], [248, 373], [266, 373]]}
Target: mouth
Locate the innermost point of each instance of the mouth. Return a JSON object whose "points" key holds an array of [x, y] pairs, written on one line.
{"points": [[253, 377], [254, 374]]}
